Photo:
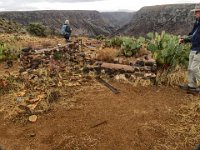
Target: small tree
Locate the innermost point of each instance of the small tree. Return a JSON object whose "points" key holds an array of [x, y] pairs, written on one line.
{"points": [[37, 29]]}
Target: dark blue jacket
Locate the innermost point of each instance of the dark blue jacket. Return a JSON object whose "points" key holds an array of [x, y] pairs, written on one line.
{"points": [[68, 30], [65, 30], [194, 36]]}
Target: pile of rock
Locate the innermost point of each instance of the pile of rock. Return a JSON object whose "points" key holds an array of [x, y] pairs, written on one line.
{"points": [[139, 68], [73, 56], [57, 57]]}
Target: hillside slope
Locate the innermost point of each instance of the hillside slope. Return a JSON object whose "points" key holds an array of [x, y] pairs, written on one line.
{"points": [[88, 23], [176, 19], [7, 26]]}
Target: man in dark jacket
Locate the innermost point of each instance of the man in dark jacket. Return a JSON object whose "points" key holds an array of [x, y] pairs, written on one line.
{"points": [[194, 57], [66, 30]]}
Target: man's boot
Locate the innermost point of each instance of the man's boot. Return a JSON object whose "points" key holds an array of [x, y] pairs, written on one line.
{"points": [[186, 87]]}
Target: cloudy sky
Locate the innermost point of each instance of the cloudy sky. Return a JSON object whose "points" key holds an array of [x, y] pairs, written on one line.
{"points": [[100, 5]]}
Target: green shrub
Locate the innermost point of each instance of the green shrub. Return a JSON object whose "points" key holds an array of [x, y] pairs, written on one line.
{"points": [[129, 45], [37, 29], [100, 37], [6, 53], [114, 42]]}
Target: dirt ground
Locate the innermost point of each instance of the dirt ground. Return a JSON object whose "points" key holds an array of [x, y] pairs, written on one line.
{"points": [[138, 118]]}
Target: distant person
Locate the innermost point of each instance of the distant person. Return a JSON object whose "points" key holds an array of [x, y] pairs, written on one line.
{"points": [[66, 30], [194, 57]]}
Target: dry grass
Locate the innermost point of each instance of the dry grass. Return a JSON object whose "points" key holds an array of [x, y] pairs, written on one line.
{"points": [[172, 79], [107, 54], [143, 51], [141, 82], [185, 128], [17, 42]]}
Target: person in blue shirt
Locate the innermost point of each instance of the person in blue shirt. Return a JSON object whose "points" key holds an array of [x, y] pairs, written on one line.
{"points": [[194, 57]]}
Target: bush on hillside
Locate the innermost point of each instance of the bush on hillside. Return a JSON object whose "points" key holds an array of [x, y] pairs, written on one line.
{"points": [[37, 29]]}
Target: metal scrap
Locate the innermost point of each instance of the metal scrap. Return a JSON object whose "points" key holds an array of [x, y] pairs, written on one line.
{"points": [[100, 80]]}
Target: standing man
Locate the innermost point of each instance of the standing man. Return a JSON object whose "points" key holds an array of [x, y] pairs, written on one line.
{"points": [[194, 57], [66, 30]]}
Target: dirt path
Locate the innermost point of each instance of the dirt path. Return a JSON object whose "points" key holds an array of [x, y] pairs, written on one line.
{"points": [[141, 118]]}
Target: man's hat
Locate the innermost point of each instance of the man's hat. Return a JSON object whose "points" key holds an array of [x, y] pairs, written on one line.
{"points": [[197, 8]]}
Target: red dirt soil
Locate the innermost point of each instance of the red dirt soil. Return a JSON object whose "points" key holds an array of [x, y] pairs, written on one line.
{"points": [[138, 118]]}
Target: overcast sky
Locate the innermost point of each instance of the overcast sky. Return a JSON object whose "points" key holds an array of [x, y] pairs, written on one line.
{"points": [[100, 5]]}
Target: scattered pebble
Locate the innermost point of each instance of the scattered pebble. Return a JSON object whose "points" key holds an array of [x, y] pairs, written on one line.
{"points": [[32, 118]]}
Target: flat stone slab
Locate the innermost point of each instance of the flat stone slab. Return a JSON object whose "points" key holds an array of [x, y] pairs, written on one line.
{"points": [[118, 67]]}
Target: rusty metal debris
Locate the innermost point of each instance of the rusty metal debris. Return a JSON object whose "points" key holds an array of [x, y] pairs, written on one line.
{"points": [[100, 80]]}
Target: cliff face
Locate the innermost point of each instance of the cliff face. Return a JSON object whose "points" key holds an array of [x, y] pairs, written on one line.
{"points": [[176, 19], [88, 23], [117, 19]]}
